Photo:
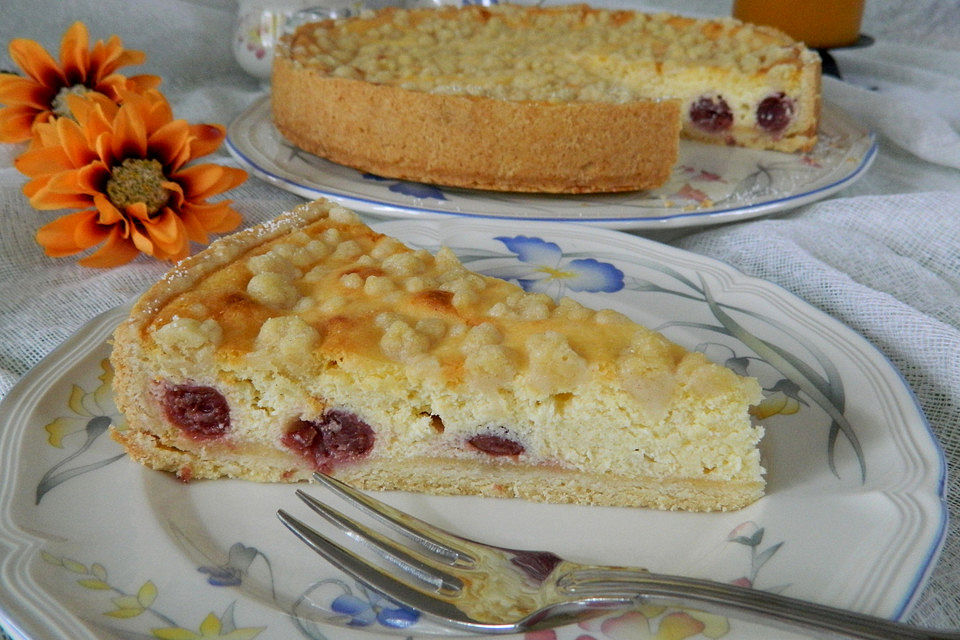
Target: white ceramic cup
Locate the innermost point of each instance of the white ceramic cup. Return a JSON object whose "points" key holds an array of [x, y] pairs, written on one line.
{"points": [[261, 23]]}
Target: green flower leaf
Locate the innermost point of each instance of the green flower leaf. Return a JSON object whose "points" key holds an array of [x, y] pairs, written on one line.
{"points": [[147, 594], [49, 558], [124, 613], [99, 571], [765, 555], [93, 583], [227, 623], [127, 602], [53, 477], [74, 566], [244, 633], [744, 540], [175, 633]]}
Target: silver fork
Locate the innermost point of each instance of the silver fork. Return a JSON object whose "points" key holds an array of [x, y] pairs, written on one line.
{"points": [[472, 586]]}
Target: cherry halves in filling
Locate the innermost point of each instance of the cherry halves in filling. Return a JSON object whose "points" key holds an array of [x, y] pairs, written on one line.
{"points": [[712, 114], [338, 436], [200, 412], [774, 113], [496, 445]]}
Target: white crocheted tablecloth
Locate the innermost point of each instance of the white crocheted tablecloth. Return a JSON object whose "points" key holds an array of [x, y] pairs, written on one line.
{"points": [[882, 256]]}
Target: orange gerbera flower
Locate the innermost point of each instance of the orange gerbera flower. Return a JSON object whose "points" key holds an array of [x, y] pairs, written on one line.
{"points": [[40, 96], [125, 167]]}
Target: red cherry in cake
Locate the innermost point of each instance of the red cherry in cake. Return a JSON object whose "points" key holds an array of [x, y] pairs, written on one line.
{"points": [[338, 436], [774, 113], [711, 114], [200, 412], [496, 445]]}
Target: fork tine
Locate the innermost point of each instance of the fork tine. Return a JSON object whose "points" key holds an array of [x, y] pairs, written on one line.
{"points": [[442, 582], [370, 574], [439, 543]]}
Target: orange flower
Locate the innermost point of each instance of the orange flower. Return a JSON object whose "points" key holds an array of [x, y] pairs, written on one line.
{"points": [[40, 96], [125, 167]]}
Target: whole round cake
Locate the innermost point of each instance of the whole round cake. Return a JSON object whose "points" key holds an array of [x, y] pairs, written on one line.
{"points": [[566, 99]]}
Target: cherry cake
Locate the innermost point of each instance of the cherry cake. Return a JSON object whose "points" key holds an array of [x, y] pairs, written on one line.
{"points": [[565, 98], [314, 343]]}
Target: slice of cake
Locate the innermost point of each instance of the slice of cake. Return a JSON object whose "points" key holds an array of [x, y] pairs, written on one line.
{"points": [[557, 99], [314, 343]]}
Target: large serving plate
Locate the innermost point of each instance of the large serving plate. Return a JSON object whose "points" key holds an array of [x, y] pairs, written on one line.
{"points": [[710, 184], [94, 546]]}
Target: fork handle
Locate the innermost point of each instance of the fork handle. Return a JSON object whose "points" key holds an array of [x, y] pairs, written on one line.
{"points": [[611, 585]]}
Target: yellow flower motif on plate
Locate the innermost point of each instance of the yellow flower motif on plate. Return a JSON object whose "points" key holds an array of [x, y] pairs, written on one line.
{"points": [[132, 605], [85, 407], [211, 627], [774, 404], [781, 399], [93, 413]]}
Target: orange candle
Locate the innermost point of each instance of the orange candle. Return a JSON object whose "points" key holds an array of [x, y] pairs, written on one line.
{"points": [[817, 23]]}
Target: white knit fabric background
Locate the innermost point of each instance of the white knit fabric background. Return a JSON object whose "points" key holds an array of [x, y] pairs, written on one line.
{"points": [[883, 256], [888, 267]]}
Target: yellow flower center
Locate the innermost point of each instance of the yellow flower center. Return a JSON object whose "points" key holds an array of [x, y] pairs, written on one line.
{"points": [[556, 274], [59, 103], [138, 180]]}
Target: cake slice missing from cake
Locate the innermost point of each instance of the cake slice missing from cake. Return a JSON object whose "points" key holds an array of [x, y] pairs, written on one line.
{"points": [[313, 342]]}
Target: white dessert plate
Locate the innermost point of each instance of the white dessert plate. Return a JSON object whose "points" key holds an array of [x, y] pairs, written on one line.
{"points": [[94, 546], [710, 184]]}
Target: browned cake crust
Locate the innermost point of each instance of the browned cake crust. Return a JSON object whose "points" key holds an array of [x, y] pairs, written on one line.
{"points": [[566, 99], [477, 142], [313, 342]]}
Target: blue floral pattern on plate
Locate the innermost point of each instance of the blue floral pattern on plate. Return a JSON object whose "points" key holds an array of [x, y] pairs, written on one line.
{"points": [[551, 273], [710, 184], [412, 189]]}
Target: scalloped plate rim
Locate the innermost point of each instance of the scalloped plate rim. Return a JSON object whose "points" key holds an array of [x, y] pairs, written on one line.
{"points": [[276, 174]]}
